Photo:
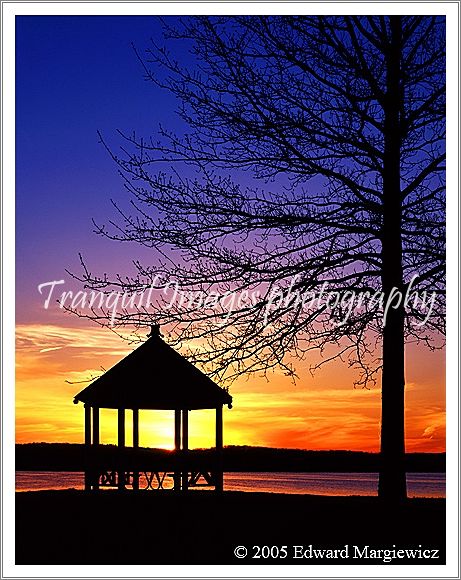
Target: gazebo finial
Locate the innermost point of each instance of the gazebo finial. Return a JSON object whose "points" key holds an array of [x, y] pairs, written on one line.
{"points": [[154, 331]]}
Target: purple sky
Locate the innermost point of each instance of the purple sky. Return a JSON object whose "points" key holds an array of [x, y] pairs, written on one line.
{"points": [[74, 76]]}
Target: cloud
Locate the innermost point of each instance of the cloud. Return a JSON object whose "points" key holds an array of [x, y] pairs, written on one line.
{"points": [[50, 349], [42, 336]]}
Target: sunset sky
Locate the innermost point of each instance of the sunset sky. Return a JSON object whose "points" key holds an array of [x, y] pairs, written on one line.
{"points": [[78, 75]]}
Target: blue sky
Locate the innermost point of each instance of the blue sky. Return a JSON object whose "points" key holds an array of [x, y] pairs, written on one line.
{"points": [[74, 76]]}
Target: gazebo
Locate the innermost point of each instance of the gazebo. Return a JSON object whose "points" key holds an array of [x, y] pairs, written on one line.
{"points": [[153, 376]]}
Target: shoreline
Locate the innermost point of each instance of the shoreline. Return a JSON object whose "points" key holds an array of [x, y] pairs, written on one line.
{"points": [[190, 492]]}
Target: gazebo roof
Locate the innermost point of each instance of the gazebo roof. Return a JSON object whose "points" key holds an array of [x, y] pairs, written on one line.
{"points": [[154, 376]]}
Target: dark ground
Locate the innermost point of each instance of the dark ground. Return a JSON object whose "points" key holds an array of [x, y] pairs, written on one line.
{"points": [[202, 527]]}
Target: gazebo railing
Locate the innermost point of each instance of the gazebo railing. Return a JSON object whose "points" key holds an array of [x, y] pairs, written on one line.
{"points": [[150, 480], [177, 471]]}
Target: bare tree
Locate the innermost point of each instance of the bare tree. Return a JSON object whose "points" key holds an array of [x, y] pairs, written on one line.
{"points": [[314, 159]]}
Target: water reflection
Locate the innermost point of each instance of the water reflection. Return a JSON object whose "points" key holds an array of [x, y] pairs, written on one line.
{"points": [[419, 484]]}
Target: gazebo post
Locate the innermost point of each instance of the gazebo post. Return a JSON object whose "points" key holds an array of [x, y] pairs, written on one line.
{"points": [[135, 446], [185, 447], [94, 458], [219, 449], [177, 448], [96, 426], [87, 445], [121, 446]]}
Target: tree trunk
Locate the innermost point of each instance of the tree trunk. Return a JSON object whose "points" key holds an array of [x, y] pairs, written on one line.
{"points": [[392, 476]]}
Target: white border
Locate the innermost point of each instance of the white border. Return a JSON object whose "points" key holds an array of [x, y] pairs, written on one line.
{"points": [[9, 11]]}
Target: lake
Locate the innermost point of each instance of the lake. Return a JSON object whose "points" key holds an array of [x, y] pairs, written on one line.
{"points": [[419, 484]]}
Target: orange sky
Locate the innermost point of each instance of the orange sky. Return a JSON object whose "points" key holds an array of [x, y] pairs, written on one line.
{"points": [[320, 412]]}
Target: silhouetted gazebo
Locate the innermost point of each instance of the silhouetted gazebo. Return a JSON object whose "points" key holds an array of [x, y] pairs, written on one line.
{"points": [[153, 376]]}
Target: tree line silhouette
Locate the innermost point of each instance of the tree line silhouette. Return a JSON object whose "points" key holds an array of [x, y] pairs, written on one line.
{"points": [[71, 457]]}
